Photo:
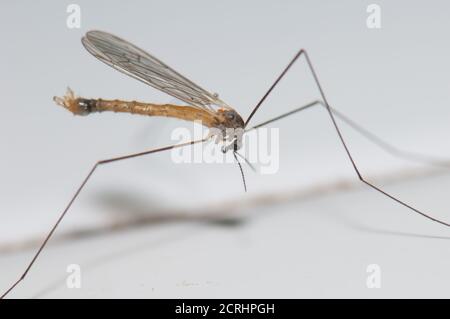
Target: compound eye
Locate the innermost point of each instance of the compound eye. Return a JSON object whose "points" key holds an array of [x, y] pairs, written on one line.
{"points": [[231, 116]]}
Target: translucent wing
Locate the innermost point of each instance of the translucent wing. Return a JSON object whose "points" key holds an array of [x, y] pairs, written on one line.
{"points": [[137, 63]]}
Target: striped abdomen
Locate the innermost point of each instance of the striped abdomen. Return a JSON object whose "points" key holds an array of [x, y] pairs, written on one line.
{"points": [[82, 106]]}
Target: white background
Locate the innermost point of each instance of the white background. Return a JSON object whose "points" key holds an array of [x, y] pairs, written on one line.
{"points": [[394, 81]]}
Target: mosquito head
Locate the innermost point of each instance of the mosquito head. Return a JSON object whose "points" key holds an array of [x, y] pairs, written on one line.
{"points": [[231, 127], [230, 118]]}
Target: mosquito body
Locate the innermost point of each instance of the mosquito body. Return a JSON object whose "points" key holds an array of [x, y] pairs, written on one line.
{"points": [[225, 123]]}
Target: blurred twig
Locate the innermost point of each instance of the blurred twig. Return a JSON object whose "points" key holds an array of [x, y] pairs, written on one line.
{"points": [[226, 212]]}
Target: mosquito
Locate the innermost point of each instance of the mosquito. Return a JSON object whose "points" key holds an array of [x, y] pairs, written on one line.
{"points": [[202, 105]]}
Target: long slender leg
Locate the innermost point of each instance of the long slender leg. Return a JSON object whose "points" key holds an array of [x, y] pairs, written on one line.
{"points": [[338, 131], [413, 156], [386, 146], [77, 192]]}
